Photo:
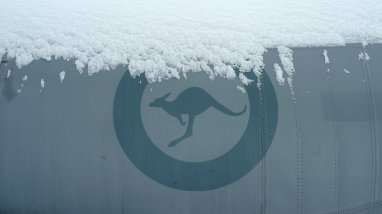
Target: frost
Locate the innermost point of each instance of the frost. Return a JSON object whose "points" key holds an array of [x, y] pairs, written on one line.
{"points": [[42, 83], [346, 71], [286, 57], [327, 61], [279, 74], [62, 76], [9, 73], [164, 39], [363, 56]]}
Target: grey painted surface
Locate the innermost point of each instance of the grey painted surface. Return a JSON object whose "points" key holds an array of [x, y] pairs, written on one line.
{"points": [[59, 152]]}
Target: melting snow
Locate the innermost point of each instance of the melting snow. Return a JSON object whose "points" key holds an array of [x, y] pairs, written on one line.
{"points": [[363, 56], [244, 79], [327, 61], [42, 83], [9, 73], [279, 74], [167, 38], [62, 76], [25, 78], [346, 71], [241, 88], [286, 57]]}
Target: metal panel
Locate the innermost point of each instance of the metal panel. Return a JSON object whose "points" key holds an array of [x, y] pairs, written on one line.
{"points": [[374, 71], [60, 153]]}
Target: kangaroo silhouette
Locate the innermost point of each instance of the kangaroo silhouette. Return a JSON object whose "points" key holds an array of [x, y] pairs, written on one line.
{"points": [[192, 102]]}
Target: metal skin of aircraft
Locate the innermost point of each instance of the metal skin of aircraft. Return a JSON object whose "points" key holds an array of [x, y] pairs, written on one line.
{"points": [[111, 143]]}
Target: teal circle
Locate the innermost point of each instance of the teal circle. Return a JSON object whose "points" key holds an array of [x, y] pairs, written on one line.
{"points": [[194, 176]]}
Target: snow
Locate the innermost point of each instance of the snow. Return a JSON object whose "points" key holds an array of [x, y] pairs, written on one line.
{"points": [[9, 73], [62, 76], [279, 74], [346, 71], [167, 38], [363, 56], [327, 61], [25, 78], [42, 83], [244, 79], [241, 88], [286, 58]]}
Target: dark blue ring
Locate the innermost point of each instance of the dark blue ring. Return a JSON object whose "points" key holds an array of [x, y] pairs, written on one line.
{"points": [[194, 176]]}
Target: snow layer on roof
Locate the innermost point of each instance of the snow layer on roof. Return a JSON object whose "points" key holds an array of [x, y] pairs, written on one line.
{"points": [[167, 38]]}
